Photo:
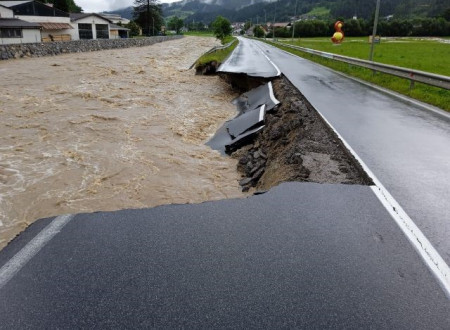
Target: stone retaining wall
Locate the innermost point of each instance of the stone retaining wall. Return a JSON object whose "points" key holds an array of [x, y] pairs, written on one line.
{"points": [[55, 48]]}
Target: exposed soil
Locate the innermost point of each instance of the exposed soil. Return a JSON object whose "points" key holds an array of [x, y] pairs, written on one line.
{"points": [[296, 145]]}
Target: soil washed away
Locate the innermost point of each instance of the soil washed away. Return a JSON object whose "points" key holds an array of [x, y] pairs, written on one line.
{"points": [[110, 130], [296, 145]]}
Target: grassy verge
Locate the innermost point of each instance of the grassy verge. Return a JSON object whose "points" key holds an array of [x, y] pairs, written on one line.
{"points": [[432, 95], [219, 56]]}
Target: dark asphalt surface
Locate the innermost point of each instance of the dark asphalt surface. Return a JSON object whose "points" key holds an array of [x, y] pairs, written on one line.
{"points": [[247, 58], [302, 255], [405, 146]]}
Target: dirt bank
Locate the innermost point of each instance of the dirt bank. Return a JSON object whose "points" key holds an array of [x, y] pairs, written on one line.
{"points": [[110, 130], [296, 145]]}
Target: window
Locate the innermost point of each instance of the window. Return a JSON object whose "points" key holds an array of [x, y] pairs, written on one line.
{"points": [[102, 31], [11, 33], [85, 31]]}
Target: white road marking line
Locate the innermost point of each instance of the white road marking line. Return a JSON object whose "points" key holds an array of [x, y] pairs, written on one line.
{"points": [[16, 263], [262, 112], [272, 96], [421, 244], [270, 61], [274, 65]]}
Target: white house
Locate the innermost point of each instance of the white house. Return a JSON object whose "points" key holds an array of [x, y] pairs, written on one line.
{"points": [[115, 19], [54, 22], [16, 31], [89, 26], [5, 12], [46, 23]]}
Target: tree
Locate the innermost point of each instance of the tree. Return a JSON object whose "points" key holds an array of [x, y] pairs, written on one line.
{"points": [[148, 14], [135, 29], [446, 14], [221, 28], [176, 24], [69, 6], [258, 31]]}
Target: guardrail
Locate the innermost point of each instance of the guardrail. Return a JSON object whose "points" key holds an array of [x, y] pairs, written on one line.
{"points": [[216, 48], [410, 74]]}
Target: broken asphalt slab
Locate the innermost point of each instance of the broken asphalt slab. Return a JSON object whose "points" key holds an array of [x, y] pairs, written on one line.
{"points": [[251, 107]]}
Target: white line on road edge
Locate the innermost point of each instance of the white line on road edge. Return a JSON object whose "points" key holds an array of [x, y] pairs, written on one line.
{"points": [[270, 61], [272, 96], [419, 241], [421, 244], [16, 263], [262, 112]]}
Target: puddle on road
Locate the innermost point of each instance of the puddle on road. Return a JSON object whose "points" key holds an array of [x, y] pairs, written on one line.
{"points": [[110, 130]]}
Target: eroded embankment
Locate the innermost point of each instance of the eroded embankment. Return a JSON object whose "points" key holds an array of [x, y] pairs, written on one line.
{"points": [[296, 145]]}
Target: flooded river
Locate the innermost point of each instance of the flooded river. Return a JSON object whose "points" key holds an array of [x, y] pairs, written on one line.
{"points": [[110, 130]]}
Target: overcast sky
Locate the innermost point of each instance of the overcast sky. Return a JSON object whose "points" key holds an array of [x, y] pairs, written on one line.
{"points": [[93, 6]]}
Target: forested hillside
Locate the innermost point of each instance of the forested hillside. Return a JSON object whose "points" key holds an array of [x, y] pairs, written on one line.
{"points": [[237, 10]]}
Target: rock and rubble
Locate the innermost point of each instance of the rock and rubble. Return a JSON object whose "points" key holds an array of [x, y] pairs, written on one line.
{"points": [[77, 46], [296, 145]]}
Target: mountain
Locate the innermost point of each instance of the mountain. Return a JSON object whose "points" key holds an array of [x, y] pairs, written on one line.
{"points": [[227, 4], [283, 10], [126, 12]]}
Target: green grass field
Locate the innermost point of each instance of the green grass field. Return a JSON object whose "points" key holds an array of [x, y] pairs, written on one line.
{"points": [[424, 55]]}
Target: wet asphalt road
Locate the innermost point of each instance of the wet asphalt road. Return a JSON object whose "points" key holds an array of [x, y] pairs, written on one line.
{"points": [[247, 59], [303, 255], [405, 146]]}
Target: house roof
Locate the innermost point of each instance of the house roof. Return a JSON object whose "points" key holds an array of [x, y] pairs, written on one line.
{"points": [[118, 27], [56, 26], [4, 6], [33, 8], [18, 23], [13, 3], [77, 16], [282, 24]]}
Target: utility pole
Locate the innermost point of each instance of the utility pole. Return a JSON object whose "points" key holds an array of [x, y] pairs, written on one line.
{"points": [[148, 18], [374, 32], [293, 23], [273, 24]]}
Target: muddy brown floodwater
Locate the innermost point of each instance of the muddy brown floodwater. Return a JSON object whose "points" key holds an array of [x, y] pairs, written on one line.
{"points": [[110, 130]]}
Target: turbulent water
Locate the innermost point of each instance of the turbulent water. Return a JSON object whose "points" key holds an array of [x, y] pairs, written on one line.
{"points": [[110, 130]]}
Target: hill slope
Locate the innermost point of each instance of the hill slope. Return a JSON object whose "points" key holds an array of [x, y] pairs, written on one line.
{"points": [[283, 10]]}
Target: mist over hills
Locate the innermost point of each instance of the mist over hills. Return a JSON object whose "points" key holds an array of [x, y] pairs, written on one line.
{"points": [[283, 10]]}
